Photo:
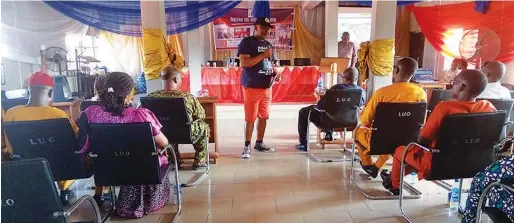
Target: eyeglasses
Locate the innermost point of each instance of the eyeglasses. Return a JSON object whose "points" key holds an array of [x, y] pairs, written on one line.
{"points": [[453, 83]]}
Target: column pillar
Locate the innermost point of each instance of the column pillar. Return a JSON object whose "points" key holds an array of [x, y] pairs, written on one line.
{"points": [[153, 17], [331, 35], [195, 54], [383, 20]]}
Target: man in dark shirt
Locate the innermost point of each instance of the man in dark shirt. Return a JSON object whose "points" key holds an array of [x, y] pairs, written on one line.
{"points": [[255, 54], [349, 78]]}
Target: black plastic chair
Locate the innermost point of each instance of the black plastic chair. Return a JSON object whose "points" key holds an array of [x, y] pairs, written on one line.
{"points": [[341, 111], [215, 63], [506, 106], [126, 154], [495, 214], [465, 146], [438, 95], [395, 124], [29, 194], [52, 139], [10, 103], [285, 62], [86, 104], [176, 126]]}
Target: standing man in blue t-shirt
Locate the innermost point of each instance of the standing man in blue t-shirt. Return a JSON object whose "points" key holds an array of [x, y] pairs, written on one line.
{"points": [[255, 54]]}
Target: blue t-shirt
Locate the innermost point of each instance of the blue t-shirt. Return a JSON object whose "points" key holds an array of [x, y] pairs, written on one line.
{"points": [[321, 102], [261, 74]]}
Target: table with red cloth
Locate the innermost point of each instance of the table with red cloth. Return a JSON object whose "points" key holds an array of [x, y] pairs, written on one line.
{"points": [[297, 84]]}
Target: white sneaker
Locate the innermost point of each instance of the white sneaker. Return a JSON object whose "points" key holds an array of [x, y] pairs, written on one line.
{"points": [[247, 152]]}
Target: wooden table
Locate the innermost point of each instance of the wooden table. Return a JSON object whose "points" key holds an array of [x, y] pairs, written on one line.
{"points": [[209, 105], [72, 108]]}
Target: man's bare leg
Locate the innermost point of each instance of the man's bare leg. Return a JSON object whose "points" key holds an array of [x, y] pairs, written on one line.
{"points": [[247, 151], [261, 129]]}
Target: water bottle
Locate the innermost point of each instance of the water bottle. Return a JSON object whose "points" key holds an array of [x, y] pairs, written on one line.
{"points": [[319, 88], [177, 188], [227, 62], [454, 199], [412, 178]]}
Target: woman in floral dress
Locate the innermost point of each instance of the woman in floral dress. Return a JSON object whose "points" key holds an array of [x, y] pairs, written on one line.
{"points": [[133, 201]]}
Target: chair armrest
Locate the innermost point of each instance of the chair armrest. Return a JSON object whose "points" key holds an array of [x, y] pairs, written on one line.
{"points": [[508, 123], [75, 205], [422, 147]]}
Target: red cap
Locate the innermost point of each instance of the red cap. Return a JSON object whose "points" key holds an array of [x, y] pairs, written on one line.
{"points": [[41, 79]]}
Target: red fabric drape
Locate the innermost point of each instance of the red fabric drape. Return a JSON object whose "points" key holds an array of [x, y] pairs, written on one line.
{"points": [[436, 20], [297, 84]]}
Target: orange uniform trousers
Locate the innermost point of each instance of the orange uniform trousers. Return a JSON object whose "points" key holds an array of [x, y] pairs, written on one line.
{"points": [[363, 137], [416, 159]]}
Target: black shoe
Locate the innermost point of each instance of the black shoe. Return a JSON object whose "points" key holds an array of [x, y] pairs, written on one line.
{"points": [[386, 182], [301, 147], [65, 197], [328, 137], [261, 147], [371, 170]]}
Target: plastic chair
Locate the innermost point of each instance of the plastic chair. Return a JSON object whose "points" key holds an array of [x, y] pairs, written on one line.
{"points": [[172, 114], [52, 139], [10, 103], [341, 111], [133, 160], [465, 140], [29, 194], [506, 106], [395, 124]]}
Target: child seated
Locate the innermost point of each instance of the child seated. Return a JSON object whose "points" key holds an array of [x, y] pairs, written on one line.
{"points": [[465, 89]]}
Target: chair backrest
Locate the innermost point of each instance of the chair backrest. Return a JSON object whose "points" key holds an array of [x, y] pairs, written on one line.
{"points": [[506, 106], [215, 63], [396, 124], [9, 103], [124, 154], [465, 144], [438, 95], [172, 114], [285, 62], [302, 61], [29, 193], [341, 108], [86, 104], [53, 140]]}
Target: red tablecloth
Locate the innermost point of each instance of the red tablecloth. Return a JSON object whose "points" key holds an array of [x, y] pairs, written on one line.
{"points": [[297, 84]]}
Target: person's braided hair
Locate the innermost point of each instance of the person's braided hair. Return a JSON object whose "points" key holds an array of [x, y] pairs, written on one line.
{"points": [[118, 86]]}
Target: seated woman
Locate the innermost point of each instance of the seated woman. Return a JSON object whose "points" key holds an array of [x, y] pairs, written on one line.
{"points": [[500, 170], [98, 86], [133, 201]]}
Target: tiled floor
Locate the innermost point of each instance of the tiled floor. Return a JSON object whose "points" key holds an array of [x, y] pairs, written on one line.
{"points": [[288, 187]]}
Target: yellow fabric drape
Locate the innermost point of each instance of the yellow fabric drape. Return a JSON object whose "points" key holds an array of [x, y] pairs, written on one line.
{"points": [[377, 56], [306, 44], [402, 32], [176, 44], [158, 53]]}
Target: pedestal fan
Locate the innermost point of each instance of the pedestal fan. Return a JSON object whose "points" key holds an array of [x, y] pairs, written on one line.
{"points": [[478, 46], [56, 59]]}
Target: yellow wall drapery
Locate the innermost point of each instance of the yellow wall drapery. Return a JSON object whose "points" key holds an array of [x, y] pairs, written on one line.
{"points": [[377, 56], [159, 53], [306, 45]]}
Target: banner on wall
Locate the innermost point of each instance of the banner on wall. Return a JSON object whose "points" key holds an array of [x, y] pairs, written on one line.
{"points": [[231, 28]]}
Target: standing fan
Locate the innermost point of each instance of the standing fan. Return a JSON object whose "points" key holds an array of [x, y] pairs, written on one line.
{"points": [[478, 46], [56, 59]]}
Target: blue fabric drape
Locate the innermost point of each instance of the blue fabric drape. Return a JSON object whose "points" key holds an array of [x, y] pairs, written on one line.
{"points": [[124, 17], [261, 9]]}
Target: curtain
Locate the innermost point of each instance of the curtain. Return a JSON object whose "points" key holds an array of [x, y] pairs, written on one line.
{"points": [[436, 21], [124, 17], [402, 32], [120, 53], [306, 44], [314, 20]]}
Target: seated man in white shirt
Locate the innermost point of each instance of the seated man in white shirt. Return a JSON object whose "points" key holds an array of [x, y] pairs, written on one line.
{"points": [[494, 90]]}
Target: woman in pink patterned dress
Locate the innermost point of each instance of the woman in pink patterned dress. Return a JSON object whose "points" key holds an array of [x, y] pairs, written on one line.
{"points": [[133, 201]]}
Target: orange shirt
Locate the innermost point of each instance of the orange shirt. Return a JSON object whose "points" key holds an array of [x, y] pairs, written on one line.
{"points": [[395, 93], [431, 128]]}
